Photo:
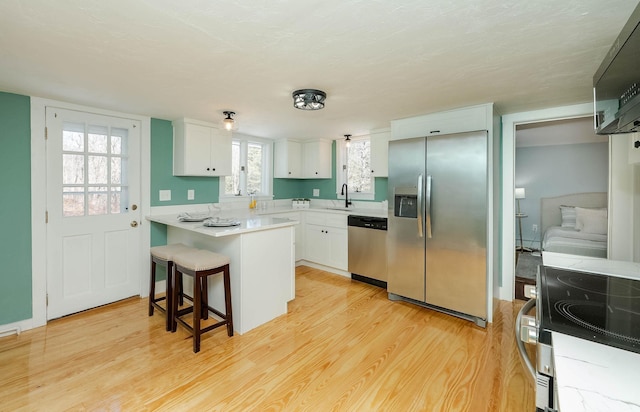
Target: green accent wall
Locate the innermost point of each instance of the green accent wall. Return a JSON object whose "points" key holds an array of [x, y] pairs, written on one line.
{"points": [[287, 188], [15, 208]]}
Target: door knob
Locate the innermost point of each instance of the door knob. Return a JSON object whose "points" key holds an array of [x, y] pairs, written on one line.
{"points": [[134, 223], [134, 207]]}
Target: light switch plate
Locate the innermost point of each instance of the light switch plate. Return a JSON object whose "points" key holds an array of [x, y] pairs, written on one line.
{"points": [[165, 195], [191, 194], [316, 192]]}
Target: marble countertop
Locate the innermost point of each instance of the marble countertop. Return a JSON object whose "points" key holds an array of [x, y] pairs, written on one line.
{"points": [[591, 376], [629, 270], [248, 224], [595, 377]]}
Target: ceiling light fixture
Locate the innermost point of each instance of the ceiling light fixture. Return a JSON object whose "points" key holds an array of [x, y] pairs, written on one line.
{"points": [[309, 99], [228, 122], [347, 139]]}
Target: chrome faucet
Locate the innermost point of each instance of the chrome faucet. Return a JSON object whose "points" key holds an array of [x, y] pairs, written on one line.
{"points": [[345, 191]]}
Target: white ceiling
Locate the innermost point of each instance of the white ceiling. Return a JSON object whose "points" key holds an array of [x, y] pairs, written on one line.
{"points": [[377, 60]]}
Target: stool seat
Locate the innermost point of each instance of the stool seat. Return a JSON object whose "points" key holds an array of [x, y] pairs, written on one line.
{"points": [[200, 264], [198, 259], [167, 252], [164, 255]]}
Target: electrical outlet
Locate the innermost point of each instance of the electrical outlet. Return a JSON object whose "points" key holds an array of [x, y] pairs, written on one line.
{"points": [[164, 195], [534, 228], [191, 194]]}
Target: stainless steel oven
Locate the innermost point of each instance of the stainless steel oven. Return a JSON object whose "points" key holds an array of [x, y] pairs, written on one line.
{"points": [[597, 307], [528, 331]]}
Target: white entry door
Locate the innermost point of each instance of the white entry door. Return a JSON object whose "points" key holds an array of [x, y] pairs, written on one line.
{"points": [[93, 199]]}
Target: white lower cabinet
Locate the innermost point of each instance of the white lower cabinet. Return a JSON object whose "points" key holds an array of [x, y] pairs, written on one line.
{"points": [[299, 229], [326, 239]]}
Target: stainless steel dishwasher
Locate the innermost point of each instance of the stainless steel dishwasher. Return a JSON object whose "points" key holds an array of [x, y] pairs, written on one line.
{"points": [[368, 249]]}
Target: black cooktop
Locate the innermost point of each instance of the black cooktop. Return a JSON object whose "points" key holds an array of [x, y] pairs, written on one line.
{"points": [[601, 308]]}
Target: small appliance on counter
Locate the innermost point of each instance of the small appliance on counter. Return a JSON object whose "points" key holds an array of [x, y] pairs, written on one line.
{"points": [[300, 203]]}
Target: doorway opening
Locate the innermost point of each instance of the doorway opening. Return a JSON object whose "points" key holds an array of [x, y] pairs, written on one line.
{"points": [[553, 158]]}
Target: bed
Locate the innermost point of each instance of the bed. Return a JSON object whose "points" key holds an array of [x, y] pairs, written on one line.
{"points": [[575, 224]]}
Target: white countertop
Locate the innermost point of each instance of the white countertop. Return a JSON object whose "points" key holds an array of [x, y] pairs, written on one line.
{"points": [[595, 377], [337, 210], [591, 376], [249, 224], [629, 270]]}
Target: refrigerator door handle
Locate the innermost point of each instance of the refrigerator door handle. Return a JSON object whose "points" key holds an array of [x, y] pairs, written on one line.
{"points": [[420, 234], [429, 206]]}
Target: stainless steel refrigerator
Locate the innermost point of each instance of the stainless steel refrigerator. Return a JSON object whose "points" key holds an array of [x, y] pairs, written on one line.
{"points": [[437, 227]]}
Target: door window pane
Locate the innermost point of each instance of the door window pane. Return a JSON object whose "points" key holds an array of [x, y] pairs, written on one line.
{"points": [[116, 170], [119, 141], [118, 199], [97, 139], [97, 200], [72, 169], [73, 201], [97, 169], [94, 174]]}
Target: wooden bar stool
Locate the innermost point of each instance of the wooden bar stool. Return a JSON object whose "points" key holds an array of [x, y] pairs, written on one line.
{"points": [[164, 255], [200, 264]]}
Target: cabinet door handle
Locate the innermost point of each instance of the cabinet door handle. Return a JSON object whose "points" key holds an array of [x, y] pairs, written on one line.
{"points": [[208, 169]]}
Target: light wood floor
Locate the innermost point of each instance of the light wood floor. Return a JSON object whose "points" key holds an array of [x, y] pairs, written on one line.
{"points": [[343, 346]]}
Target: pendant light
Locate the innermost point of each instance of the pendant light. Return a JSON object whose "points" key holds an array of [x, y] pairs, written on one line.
{"points": [[229, 122], [347, 139]]}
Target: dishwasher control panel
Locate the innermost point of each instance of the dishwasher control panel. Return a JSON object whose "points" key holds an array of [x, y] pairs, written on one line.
{"points": [[368, 222]]}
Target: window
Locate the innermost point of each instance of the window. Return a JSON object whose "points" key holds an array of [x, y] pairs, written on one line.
{"points": [[354, 168], [94, 170], [251, 166]]}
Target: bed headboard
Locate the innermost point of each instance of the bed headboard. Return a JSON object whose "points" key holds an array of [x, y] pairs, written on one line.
{"points": [[550, 206]]}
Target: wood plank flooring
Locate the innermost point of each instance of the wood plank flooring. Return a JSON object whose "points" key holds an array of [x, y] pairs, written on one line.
{"points": [[343, 346]]}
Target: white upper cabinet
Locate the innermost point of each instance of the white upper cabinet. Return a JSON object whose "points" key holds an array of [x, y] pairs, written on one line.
{"points": [[302, 159], [634, 148], [380, 152], [467, 119], [316, 159], [288, 159], [200, 149]]}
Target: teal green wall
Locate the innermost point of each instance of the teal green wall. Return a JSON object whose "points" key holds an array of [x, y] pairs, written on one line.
{"points": [[15, 208], [287, 188]]}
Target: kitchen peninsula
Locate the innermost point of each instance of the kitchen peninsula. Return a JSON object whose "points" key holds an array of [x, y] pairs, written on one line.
{"points": [[261, 249]]}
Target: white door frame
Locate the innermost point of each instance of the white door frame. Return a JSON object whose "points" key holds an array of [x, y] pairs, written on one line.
{"points": [[39, 201], [509, 123]]}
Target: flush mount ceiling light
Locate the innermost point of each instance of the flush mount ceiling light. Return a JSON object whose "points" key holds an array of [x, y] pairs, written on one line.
{"points": [[228, 122], [309, 99], [347, 139]]}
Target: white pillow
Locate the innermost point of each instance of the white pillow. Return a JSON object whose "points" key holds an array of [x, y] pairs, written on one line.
{"points": [[591, 220], [568, 214]]}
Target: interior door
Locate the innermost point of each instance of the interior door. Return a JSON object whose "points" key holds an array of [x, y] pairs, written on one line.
{"points": [[93, 198]]}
